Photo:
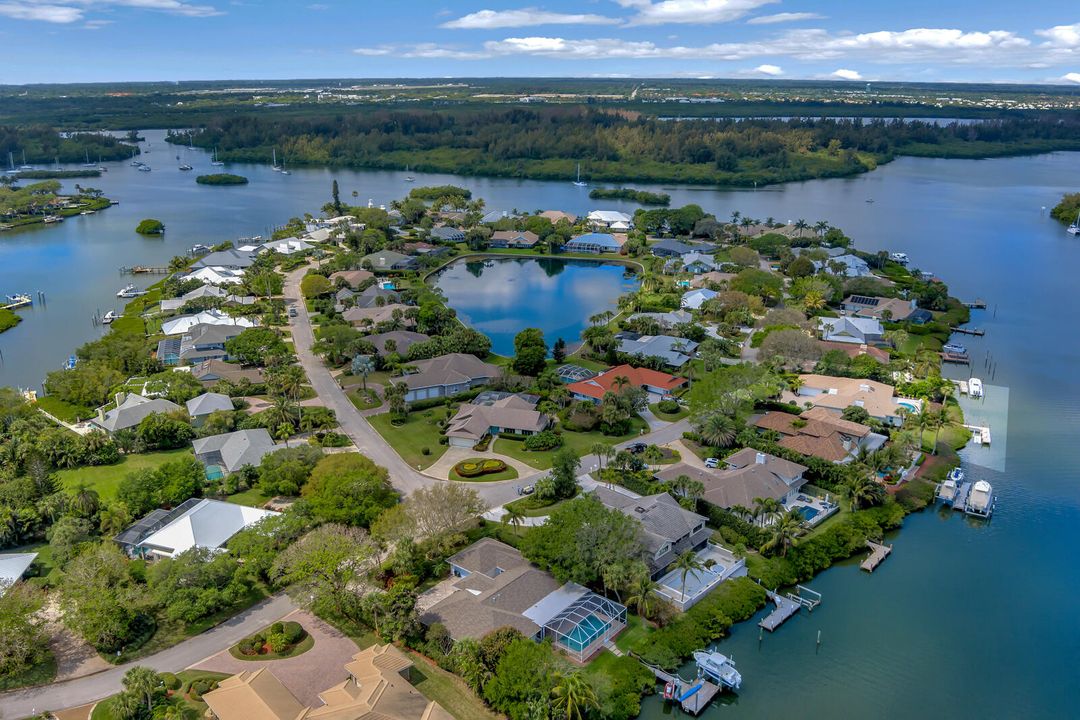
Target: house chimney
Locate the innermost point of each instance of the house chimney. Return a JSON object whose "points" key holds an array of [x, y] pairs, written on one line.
{"points": [[120, 397], [760, 458]]}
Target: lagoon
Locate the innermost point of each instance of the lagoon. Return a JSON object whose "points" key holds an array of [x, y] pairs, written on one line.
{"points": [[965, 619], [501, 296]]}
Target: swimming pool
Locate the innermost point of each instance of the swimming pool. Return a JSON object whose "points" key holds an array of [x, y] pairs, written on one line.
{"points": [[911, 407], [584, 633], [808, 513], [214, 472]]}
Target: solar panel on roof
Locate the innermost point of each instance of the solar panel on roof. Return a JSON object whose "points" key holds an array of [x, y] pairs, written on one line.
{"points": [[863, 300]]}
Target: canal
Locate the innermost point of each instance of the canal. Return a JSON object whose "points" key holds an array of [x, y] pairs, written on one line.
{"points": [[964, 619]]}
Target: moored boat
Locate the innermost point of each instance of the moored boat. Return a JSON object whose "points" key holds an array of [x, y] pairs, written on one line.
{"points": [[718, 667], [109, 317], [980, 501]]}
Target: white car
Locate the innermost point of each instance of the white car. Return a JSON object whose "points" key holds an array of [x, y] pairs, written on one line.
{"points": [[712, 462]]}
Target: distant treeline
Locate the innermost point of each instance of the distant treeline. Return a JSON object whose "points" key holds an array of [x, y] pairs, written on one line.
{"points": [[42, 144], [435, 192], [547, 143], [642, 197], [57, 174]]}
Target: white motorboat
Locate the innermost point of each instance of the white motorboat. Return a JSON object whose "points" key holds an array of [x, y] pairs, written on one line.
{"points": [[109, 317], [899, 257], [956, 475], [718, 667], [185, 167], [975, 387], [946, 491], [127, 291], [980, 501], [144, 168]]}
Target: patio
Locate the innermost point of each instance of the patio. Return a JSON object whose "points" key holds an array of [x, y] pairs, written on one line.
{"points": [[721, 565], [813, 509]]}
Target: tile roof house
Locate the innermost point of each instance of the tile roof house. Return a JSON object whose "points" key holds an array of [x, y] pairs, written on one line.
{"points": [[448, 234], [200, 343], [231, 258], [659, 385], [212, 371], [200, 407], [715, 278], [198, 522], [447, 375], [675, 352], [835, 394], [400, 340], [509, 414], [747, 475], [234, 450], [388, 260], [130, 410], [820, 433], [889, 309], [496, 587], [694, 299], [853, 351], [853, 266], [556, 215], [377, 687], [513, 239], [12, 567], [848, 329], [595, 243], [352, 278], [286, 246], [695, 263], [668, 529], [371, 316], [375, 296]]}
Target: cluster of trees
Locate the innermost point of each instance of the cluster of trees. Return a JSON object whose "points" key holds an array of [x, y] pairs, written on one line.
{"points": [[1066, 211], [642, 197], [43, 144]]}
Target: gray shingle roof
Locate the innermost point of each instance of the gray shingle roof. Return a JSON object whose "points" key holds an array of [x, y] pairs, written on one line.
{"points": [[207, 403], [132, 411], [236, 449]]}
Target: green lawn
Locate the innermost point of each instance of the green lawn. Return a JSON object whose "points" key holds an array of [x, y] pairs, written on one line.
{"points": [[672, 417], [532, 506], [106, 478], [448, 690], [363, 401], [581, 442], [636, 628], [508, 474], [64, 410], [410, 438], [193, 709], [252, 497]]}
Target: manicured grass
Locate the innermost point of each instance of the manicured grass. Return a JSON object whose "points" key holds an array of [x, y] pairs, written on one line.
{"points": [[64, 410], [409, 438], [105, 479], [447, 690], [252, 497], [636, 628], [194, 709], [579, 441], [40, 674], [532, 506], [362, 401], [670, 417]]}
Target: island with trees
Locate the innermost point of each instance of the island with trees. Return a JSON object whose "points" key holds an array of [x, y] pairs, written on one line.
{"points": [[221, 179], [641, 197], [1067, 210], [43, 203], [150, 226]]}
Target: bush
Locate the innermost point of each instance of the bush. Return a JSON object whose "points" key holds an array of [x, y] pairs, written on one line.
{"points": [[276, 628], [200, 688], [474, 468], [294, 633], [545, 440], [425, 450], [278, 642], [669, 407], [150, 226], [170, 681]]}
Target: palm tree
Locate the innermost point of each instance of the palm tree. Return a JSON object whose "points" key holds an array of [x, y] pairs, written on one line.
{"points": [[801, 225], [602, 451], [822, 226], [513, 517], [85, 500], [783, 533], [640, 594], [574, 696], [864, 491], [114, 518], [741, 511], [687, 562], [143, 683], [717, 430]]}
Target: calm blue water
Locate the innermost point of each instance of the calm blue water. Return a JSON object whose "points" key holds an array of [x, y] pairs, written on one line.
{"points": [[965, 619], [501, 297]]}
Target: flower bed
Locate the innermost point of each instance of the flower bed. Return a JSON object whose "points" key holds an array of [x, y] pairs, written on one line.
{"points": [[280, 640], [476, 468]]}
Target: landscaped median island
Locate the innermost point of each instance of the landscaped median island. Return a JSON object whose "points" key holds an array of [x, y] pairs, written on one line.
{"points": [[482, 470], [279, 641]]}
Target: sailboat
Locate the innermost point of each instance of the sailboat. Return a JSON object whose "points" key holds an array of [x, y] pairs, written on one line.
{"points": [[88, 163], [24, 166], [1074, 229], [408, 178], [275, 166], [579, 182], [11, 162], [215, 162]]}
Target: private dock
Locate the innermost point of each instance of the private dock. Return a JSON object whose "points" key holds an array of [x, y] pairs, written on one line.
{"points": [[144, 270], [955, 358], [878, 553], [693, 696], [980, 434], [785, 609], [16, 301], [976, 304], [968, 331]]}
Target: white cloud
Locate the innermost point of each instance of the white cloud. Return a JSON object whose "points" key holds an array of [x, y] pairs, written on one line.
{"points": [[769, 69], [784, 17], [373, 51], [525, 17], [69, 11], [97, 24], [690, 11], [1071, 77], [845, 74], [1064, 36]]}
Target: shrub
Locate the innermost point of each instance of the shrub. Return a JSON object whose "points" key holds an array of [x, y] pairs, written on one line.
{"points": [[669, 407], [170, 681], [425, 450], [545, 440], [294, 632], [276, 628], [150, 226], [199, 688], [258, 639], [278, 642]]}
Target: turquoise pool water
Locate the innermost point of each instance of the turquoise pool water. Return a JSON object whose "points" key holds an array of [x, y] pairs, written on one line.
{"points": [[808, 512], [584, 633], [214, 472]]}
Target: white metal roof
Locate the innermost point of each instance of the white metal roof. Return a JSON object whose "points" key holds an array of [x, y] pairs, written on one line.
{"points": [[12, 567], [209, 524]]}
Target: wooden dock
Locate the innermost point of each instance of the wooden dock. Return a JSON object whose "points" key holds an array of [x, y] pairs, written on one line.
{"points": [[785, 609], [976, 304], [878, 553], [145, 270], [955, 358], [696, 695], [968, 331]]}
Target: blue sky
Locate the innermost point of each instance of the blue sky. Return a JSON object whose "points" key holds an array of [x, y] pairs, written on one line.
{"points": [[919, 40]]}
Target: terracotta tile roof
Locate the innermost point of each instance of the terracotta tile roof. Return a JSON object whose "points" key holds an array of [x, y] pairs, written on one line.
{"points": [[596, 387]]}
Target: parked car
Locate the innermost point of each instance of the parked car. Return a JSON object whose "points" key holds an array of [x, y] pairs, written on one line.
{"points": [[292, 312], [527, 490], [637, 448], [712, 462]]}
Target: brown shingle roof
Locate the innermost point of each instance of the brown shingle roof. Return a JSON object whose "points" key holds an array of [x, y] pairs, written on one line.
{"points": [[451, 369]]}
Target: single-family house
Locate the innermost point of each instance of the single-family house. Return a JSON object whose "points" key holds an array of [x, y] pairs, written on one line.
{"points": [[198, 522], [319, 235], [746, 476], [666, 320], [12, 567], [819, 433], [200, 343], [502, 413], [232, 258], [200, 407], [522, 239], [694, 263], [376, 687], [853, 351], [882, 308], [556, 215], [595, 242], [390, 261], [850, 329], [184, 323], [497, 587], [130, 410], [712, 278], [210, 372], [668, 529], [674, 351], [216, 275], [226, 453], [447, 234], [848, 265], [694, 299], [672, 248], [835, 394], [658, 385], [395, 341], [352, 278], [372, 316], [610, 219], [286, 246], [205, 291], [494, 216], [446, 376], [375, 296]]}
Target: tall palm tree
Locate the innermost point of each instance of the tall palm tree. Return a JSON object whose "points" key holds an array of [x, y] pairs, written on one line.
{"points": [[784, 533], [686, 563], [513, 517], [864, 491], [573, 696], [602, 451], [640, 594], [717, 430], [144, 683], [85, 500]]}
